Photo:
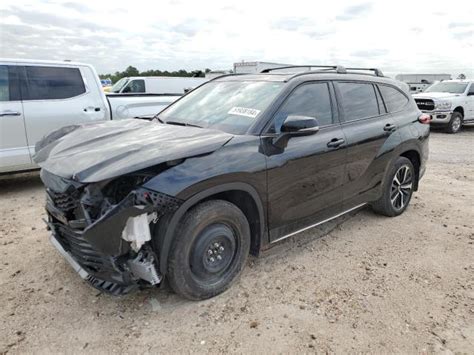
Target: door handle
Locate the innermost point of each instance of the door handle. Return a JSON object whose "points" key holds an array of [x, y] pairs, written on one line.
{"points": [[9, 113], [389, 127], [92, 109], [335, 142]]}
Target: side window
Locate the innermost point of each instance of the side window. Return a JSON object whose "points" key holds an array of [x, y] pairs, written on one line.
{"points": [[394, 99], [358, 100], [9, 83], [49, 83], [311, 100], [471, 90], [135, 86], [4, 84]]}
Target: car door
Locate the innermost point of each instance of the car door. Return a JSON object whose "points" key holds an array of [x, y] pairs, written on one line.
{"points": [[14, 153], [371, 134], [58, 96], [470, 104], [305, 177]]}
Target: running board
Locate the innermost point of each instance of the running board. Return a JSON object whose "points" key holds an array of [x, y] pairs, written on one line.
{"points": [[319, 223]]}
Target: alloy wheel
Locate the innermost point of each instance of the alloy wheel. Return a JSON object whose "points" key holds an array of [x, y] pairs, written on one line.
{"points": [[456, 124], [401, 188]]}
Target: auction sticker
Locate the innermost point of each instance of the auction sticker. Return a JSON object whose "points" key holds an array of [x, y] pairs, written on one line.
{"points": [[243, 111]]}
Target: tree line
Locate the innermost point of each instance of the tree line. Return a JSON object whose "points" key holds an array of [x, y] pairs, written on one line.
{"points": [[132, 71]]}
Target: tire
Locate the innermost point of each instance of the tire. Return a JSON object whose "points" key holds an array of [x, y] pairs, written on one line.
{"points": [[455, 124], [209, 250], [397, 189]]}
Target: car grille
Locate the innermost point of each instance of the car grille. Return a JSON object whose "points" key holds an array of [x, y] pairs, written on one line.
{"points": [[80, 249], [425, 104], [64, 201]]}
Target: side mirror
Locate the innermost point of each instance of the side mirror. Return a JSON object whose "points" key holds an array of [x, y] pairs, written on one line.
{"points": [[300, 125], [295, 125]]}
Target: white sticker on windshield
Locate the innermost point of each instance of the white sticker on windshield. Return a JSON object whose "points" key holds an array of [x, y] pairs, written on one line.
{"points": [[243, 111]]}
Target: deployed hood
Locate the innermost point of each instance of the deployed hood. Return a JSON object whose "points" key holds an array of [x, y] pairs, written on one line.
{"points": [[102, 151], [434, 95]]}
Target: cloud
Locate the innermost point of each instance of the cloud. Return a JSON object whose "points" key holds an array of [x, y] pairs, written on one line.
{"points": [[464, 35], [43, 19], [80, 7], [355, 11], [292, 23], [172, 35], [460, 24], [370, 53]]}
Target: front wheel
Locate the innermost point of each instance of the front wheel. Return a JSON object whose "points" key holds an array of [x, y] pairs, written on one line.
{"points": [[397, 190], [209, 250], [455, 124]]}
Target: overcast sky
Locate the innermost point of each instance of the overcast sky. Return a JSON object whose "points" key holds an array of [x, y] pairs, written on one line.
{"points": [[414, 36]]}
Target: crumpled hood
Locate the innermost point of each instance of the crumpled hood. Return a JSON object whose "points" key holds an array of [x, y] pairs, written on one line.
{"points": [[434, 95], [92, 153]]}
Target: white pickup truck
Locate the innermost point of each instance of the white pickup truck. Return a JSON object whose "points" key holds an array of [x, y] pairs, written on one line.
{"points": [[450, 103], [38, 97]]}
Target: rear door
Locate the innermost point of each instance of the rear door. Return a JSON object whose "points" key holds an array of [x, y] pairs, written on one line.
{"points": [[14, 153], [58, 96], [371, 134], [470, 104]]}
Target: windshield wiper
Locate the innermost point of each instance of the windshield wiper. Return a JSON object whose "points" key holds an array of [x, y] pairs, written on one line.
{"points": [[182, 124], [156, 117]]}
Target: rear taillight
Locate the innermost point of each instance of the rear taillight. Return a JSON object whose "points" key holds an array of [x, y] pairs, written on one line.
{"points": [[424, 118]]}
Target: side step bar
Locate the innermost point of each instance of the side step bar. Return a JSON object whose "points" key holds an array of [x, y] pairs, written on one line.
{"points": [[319, 223]]}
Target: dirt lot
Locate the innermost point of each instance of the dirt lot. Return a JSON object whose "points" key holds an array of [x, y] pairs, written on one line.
{"points": [[363, 283]]}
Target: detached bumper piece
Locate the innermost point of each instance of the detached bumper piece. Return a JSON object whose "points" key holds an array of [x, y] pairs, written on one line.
{"points": [[100, 271], [98, 252]]}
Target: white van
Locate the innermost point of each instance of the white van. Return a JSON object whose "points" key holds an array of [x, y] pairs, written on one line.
{"points": [[38, 97], [156, 85]]}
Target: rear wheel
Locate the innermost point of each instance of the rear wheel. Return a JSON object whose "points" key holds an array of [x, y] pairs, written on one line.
{"points": [[209, 250], [397, 190], [455, 124]]}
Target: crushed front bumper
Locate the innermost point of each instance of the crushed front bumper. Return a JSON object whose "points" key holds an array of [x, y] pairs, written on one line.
{"points": [[99, 253]]}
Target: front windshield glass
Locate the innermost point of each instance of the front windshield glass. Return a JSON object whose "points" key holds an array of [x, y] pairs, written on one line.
{"points": [[231, 106], [453, 88], [119, 85]]}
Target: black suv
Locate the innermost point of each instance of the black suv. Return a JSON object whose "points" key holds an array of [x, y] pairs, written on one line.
{"points": [[235, 165]]}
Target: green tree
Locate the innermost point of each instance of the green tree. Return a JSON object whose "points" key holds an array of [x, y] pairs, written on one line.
{"points": [[132, 71]]}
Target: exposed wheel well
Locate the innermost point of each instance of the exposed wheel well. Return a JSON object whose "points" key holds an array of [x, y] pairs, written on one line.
{"points": [[244, 201], [414, 157], [460, 110]]}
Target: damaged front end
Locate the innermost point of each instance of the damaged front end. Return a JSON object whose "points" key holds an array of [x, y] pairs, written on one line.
{"points": [[104, 229]]}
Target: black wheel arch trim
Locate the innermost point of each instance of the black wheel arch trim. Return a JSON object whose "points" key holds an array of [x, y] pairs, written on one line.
{"points": [[400, 151], [164, 231]]}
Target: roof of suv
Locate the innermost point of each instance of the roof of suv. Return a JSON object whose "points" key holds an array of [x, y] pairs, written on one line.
{"points": [[310, 75]]}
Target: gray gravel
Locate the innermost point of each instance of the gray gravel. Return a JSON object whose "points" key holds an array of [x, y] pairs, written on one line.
{"points": [[363, 283]]}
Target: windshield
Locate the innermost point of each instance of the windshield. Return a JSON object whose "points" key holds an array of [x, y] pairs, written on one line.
{"points": [[453, 88], [119, 85], [231, 106]]}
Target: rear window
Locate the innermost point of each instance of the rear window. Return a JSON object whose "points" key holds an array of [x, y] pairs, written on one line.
{"points": [[4, 84], [394, 99], [51, 83], [358, 100]]}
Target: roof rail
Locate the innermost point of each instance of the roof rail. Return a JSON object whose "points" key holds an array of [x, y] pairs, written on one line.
{"points": [[339, 68], [229, 74], [376, 71]]}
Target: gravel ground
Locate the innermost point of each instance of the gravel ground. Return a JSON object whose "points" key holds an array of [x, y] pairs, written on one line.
{"points": [[363, 283]]}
